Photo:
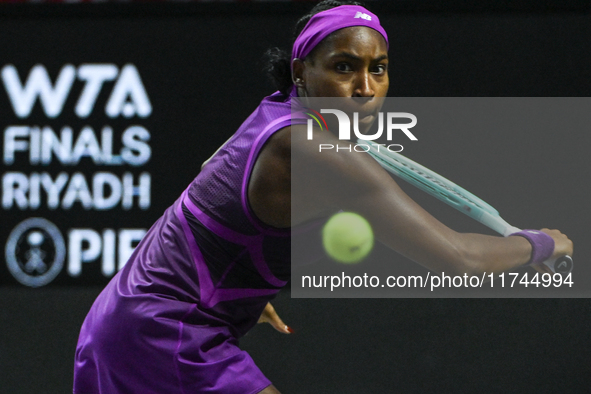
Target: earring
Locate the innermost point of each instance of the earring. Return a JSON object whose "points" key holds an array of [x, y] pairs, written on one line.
{"points": [[299, 82]]}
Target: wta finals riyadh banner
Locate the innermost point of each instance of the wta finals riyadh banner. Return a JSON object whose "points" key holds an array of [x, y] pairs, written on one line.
{"points": [[494, 166], [74, 154]]}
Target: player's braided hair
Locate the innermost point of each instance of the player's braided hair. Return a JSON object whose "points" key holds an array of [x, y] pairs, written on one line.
{"points": [[278, 64]]}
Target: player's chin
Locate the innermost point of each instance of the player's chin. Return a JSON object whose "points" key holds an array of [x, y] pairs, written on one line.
{"points": [[365, 121]]}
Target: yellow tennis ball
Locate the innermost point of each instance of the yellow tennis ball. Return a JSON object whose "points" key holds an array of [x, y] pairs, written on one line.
{"points": [[347, 237]]}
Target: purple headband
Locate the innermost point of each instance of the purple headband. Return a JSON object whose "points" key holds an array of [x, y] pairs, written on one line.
{"points": [[326, 22]]}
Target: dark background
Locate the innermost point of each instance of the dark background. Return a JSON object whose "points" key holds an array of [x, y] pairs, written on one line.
{"points": [[201, 65]]}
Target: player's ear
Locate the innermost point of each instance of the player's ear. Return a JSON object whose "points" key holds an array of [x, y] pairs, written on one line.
{"points": [[297, 73]]}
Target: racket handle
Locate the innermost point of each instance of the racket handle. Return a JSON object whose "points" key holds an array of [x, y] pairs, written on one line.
{"points": [[562, 265]]}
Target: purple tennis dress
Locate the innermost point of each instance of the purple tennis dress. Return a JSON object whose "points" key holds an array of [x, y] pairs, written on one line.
{"points": [[170, 320]]}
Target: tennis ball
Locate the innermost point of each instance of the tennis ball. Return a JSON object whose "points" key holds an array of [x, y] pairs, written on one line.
{"points": [[347, 237]]}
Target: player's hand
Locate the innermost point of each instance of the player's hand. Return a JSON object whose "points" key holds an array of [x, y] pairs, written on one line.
{"points": [[562, 245], [270, 316]]}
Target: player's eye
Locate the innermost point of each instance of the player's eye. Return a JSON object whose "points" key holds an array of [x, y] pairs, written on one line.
{"points": [[343, 67], [380, 69]]}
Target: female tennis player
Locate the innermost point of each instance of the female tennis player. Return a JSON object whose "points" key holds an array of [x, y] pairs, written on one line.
{"points": [[170, 320]]}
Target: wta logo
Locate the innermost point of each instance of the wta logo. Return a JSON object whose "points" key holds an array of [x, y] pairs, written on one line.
{"points": [[345, 125]]}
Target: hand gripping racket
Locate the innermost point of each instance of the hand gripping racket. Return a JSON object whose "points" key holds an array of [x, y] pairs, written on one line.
{"points": [[453, 195]]}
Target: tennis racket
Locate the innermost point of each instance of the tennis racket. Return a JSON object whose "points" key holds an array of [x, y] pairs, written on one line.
{"points": [[453, 195]]}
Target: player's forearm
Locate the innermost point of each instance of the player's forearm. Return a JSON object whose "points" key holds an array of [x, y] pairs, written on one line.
{"points": [[416, 234], [407, 228]]}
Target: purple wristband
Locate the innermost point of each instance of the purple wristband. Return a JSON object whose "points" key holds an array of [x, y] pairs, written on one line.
{"points": [[542, 245]]}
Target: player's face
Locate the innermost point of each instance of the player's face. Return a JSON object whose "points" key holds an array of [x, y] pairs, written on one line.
{"points": [[351, 62]]}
